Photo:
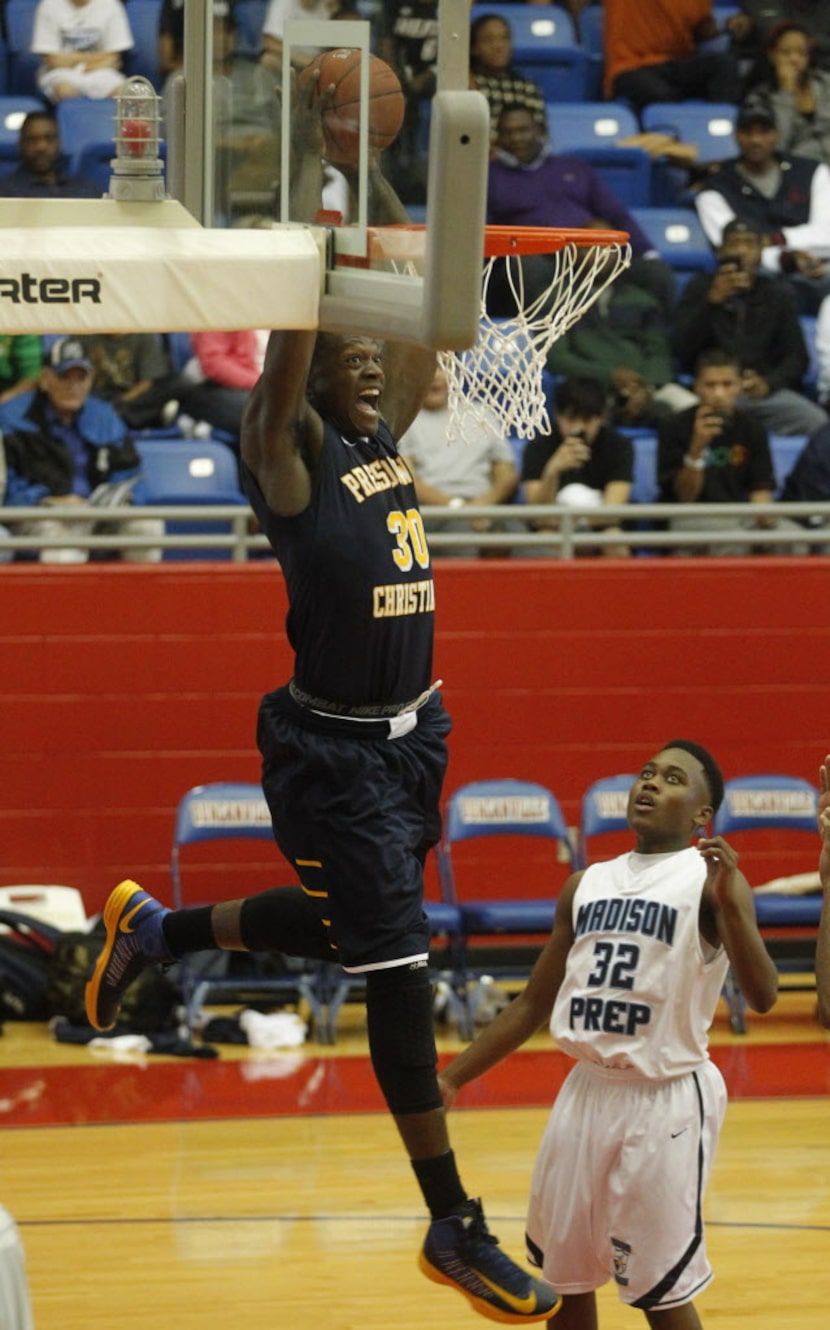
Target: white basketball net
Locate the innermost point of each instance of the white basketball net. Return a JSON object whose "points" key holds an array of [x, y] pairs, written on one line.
{"points": [[501, 374]]}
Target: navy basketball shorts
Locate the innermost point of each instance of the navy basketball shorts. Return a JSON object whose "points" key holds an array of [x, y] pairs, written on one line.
{"points": [[355, 811]]}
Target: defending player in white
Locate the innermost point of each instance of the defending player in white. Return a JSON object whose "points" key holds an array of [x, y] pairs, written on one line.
{"points": [[629, 981]]}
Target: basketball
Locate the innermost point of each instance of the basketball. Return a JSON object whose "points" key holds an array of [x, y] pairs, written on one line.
{"points": [[341, 123]]}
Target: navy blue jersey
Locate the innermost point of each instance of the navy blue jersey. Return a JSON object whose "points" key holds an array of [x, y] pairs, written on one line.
{"points": [[357, 569]]}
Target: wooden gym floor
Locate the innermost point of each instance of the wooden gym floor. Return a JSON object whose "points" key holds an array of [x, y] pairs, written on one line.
{"points": [[270, 1192]]}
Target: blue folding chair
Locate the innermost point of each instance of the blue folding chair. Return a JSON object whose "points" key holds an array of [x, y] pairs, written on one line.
{"points": [[603, 812], [518, 809], [789, 923], [232, 810]]}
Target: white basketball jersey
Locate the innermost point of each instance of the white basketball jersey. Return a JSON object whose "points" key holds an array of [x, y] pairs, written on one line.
{"points": [[638, 991]]}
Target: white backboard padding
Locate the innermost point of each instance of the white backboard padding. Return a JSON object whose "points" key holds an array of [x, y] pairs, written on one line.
{"points": [[78, 278]]}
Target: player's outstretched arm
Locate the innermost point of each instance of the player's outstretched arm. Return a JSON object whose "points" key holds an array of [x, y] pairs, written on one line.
{"points": [[526, 1013], [823, 942], [281, 433], [728, 908]]}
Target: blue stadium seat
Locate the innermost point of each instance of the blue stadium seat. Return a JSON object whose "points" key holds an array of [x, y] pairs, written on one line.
{"points": [[249, 16], [13, 111], [562, 72], [534, 28], [179, 349], [592, 41], [808, 327], [678, 236], [192, 472], [591, 130], [784, 450], [545, 48], [644, 488], [709, 125], [22, 65], [176, 469], [83, 121], [144, 57]]}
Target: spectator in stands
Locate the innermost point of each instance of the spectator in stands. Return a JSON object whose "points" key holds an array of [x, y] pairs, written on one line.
{"points": [[40, 173], [492, 71], [64, 446], [530, 185], [751, 314], [787, 199], [752, 27], [132, 372], [408, 41], [278, 13], [477, 468], [623, 340], [21, 357], [652, 53], [81, 44], [823, 353], [798, 93], [171, 38], [225, 368], [582, 462], [717, 453]]}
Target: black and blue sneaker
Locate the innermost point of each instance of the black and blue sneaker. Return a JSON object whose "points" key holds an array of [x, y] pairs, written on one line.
{"points": [[135, 940], [462, 1252]]}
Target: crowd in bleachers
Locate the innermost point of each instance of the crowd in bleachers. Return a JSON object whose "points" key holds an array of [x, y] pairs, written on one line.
{"points": [[703, 130]]}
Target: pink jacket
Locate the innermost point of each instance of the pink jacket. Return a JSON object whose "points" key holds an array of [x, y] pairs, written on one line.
{"points": [[228, 358]]}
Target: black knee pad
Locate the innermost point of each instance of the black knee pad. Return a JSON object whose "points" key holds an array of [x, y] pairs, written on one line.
{"points": [[402, 1039]]}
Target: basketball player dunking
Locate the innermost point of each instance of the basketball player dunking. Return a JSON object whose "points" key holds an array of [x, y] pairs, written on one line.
{"points": [[353, 748], [629, 981]]}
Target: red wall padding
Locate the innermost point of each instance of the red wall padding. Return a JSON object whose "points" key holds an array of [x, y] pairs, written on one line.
{"points": [[124, 686]]}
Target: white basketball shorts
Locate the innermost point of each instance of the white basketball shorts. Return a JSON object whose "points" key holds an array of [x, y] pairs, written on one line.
{"points": [[618, 1184]]}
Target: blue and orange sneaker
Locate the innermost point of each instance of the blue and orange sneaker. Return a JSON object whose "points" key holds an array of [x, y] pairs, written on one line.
{"points": [[462, 1252], [135, 940]]}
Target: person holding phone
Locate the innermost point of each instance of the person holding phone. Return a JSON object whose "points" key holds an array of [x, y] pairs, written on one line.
{"points": [[717, 453]]}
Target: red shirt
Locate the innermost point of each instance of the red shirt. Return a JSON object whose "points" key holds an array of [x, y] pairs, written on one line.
{"points": [[649, 32]]}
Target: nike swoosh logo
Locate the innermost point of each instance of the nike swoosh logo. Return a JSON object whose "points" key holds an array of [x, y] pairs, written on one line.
{"points": [[128, 918], [522, 1305], [679, 1133]]}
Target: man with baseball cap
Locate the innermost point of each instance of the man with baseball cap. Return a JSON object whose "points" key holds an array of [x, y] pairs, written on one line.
{"points": [[787, 199], [64, 446]]}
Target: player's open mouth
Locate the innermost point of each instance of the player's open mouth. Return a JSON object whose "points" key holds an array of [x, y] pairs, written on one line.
{"points": [[369, 401], [644, 801]]}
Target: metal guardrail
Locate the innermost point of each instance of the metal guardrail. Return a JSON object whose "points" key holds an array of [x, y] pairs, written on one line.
{"points": [[574, 535]]}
